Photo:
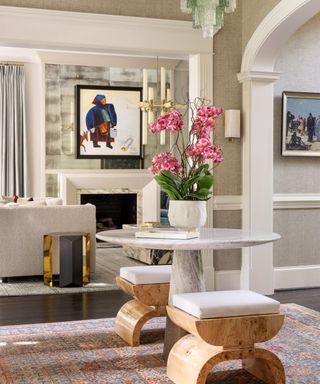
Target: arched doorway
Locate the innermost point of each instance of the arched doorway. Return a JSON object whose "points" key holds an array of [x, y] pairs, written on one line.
{"points": [[257, 77]]}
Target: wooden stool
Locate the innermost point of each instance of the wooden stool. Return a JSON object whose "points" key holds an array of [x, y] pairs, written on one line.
{"points": [[224, 325], [149, 285]]}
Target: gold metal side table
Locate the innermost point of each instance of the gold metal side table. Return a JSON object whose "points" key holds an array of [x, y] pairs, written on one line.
{"points": [[66, 259]]}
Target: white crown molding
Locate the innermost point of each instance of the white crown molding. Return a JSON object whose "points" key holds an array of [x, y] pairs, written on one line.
{"points": [[93, 17], [87, 32]]}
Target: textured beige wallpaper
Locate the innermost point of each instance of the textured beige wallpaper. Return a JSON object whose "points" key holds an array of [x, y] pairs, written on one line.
{"points": [[299, 243], [229, 259], [228, 44], [254, 11], [227, 94], [163, 9]]}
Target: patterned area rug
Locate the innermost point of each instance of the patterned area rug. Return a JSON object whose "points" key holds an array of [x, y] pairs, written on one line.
{"points": [[108, 262], [90, 352]]}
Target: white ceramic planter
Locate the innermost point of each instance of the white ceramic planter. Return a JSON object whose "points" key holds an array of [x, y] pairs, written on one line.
{"points": [[187, 214]]}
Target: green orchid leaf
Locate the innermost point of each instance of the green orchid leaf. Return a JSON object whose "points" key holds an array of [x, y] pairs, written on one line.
{"points": [[168, 185], [205, 182], [204, 192]]}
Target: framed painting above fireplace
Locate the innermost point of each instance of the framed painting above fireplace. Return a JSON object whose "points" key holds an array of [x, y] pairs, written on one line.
{"points": [[108, 122]]}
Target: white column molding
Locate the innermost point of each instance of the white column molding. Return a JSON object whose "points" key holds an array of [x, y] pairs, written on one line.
{"points": [[200, 85], [257, 185], [261, 76], [257, 77]]}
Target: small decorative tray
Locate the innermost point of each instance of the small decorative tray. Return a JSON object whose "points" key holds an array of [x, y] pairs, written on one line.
{"points": [[167, 234]]}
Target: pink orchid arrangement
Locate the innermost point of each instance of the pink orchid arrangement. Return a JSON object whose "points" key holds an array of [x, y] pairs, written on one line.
{"points": [[188, 177]]}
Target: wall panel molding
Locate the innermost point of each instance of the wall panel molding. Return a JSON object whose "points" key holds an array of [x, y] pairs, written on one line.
{"points": [[296, 201], [227, 203], [280, 201]]}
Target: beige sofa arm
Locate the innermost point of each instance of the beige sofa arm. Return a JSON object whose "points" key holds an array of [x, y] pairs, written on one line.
{"points": [[22, 229]]}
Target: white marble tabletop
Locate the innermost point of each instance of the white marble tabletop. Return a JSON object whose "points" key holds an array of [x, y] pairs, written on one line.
{"points": [[210, 238]]}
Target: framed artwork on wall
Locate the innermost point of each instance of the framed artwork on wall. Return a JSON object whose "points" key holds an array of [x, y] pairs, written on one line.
{"points": [[300, 124], [108, 122]]}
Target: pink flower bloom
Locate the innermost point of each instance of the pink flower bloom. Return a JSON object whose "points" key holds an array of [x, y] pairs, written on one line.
{"points": [[172, 121], [206, 112], [214, 153], [159, 125], [197, 126], [204, 149], [207, 115], [199, 146], [175, 121], [202, 127], [165, 161]]}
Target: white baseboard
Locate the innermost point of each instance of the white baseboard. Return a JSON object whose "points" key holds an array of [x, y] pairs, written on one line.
{"points": [[304, 276]]}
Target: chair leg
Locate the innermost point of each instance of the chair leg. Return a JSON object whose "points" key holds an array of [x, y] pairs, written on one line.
{"points": [[188, 358], [191, 359], [266, 366], [131, 318]]}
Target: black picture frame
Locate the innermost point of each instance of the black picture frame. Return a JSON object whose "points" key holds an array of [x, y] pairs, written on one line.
{"points": [[112, 130], [300, 124]]}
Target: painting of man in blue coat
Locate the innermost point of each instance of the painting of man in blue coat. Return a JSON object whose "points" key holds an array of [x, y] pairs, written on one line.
{"points": [[99, 120]]}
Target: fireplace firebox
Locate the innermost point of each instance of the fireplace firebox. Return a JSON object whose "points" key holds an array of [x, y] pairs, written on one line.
{"points": [[112, 209]]}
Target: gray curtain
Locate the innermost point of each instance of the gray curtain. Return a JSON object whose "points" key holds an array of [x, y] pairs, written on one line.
{"points": [[13, 161]]}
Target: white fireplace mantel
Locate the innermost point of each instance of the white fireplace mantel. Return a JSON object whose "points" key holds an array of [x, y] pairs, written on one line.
{"points": [[73, 183]]}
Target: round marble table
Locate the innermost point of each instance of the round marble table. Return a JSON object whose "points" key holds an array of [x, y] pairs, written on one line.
{"points": [[187, 272]]}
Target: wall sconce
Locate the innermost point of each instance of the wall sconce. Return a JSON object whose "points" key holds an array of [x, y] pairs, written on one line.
{"points": [[232, 124]]}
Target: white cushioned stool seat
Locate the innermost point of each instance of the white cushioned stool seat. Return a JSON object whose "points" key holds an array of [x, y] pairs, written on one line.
{"points": [[149, 274], [208, 305]]}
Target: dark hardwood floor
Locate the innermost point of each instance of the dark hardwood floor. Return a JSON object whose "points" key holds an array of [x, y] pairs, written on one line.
{"points": [[94, 305], [309, 298]]}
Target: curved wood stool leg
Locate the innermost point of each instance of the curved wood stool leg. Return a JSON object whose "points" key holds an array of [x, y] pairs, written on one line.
{"points": [[266, 366], [191, 359], [188, 359], [131, 318]]}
